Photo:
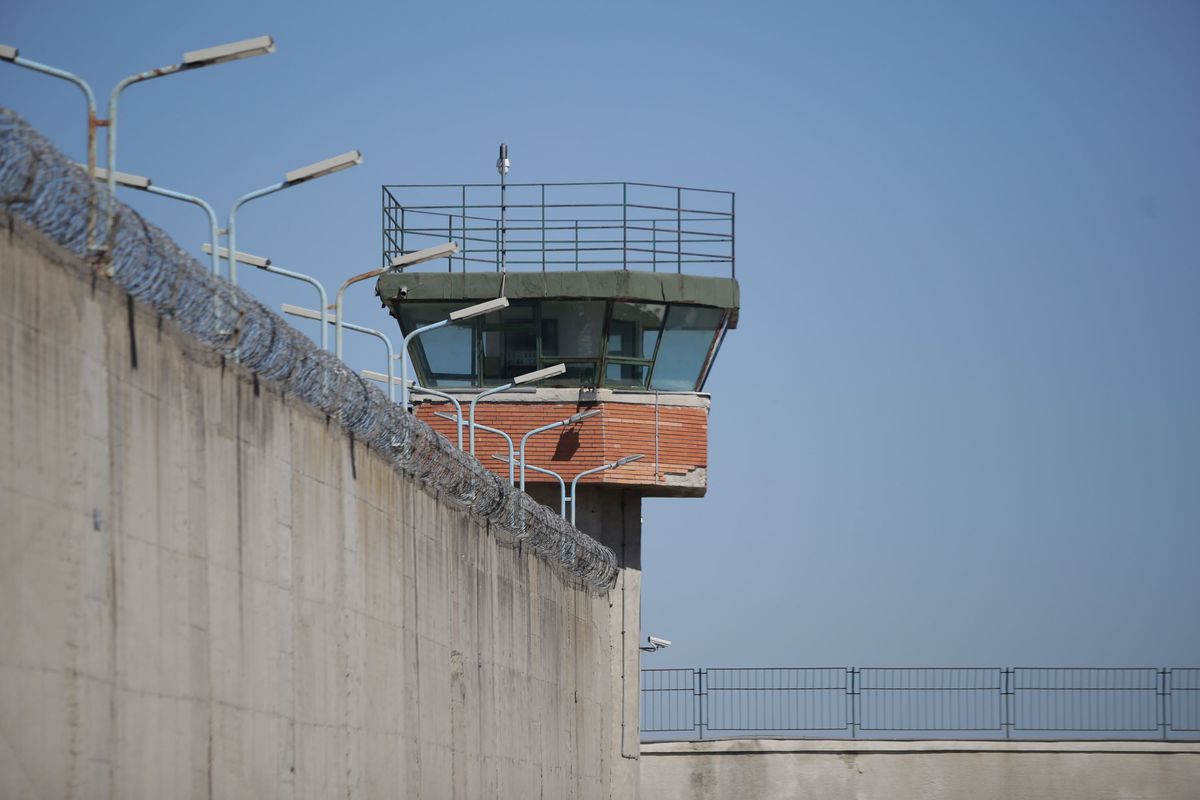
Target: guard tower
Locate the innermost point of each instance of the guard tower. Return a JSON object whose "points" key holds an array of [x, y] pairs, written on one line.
{"points": [[631, 286]]}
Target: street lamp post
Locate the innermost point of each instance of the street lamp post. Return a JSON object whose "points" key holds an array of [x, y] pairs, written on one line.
{"points": [[562, 485], [400, 262], [562, 423], [195, 59], [458, 415], [620, 462], [13, 55], [266, 266], [512, 459], [455, 316], [293, 178], [520, 380], [309, 313], [210, 56], [144, 184]]}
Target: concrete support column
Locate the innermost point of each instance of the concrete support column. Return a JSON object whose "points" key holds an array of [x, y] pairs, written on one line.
{"points": [[613, 516]]}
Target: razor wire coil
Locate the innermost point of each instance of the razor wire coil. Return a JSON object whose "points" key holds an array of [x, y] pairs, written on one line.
{"points": [[43, 188]]}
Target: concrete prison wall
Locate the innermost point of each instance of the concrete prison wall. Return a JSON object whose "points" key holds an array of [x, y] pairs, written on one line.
{"points": [[771, 769], [210, 589]]}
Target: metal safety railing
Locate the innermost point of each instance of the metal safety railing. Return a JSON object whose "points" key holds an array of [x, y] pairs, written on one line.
{"points": [[565, 226], [922, 703]]}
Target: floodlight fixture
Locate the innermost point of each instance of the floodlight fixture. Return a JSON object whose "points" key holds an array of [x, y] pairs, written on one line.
{"points": [[539, 375], [479, 309], [437, 251], [8, 52], [420, 256], [528, 377], [562, 423], [323, 168], [620, 462], [455, 316], [123, 178], [247, 48], [293, 178], [244, 258], [194, 59]]}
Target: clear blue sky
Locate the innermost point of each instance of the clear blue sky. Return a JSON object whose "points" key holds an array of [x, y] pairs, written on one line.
{"points": [[960, 421]]}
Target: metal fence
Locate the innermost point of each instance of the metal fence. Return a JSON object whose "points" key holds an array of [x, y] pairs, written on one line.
{"points": [[565, 226], [922, 702]]}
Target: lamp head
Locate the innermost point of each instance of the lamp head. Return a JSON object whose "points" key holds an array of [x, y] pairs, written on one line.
{"points": [[580, 417], [123, 178], [479, 309], [247, 48], [323, 168], [428, 254], [539, 375], [243, 258]]}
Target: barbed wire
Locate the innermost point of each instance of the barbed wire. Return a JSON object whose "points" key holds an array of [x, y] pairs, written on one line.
{"points": [[42, 187]]}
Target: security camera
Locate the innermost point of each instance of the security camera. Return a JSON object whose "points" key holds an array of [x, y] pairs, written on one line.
{"points": [[657, 642], [403, 292]]}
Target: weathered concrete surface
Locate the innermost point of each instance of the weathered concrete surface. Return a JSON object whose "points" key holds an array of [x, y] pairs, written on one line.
{"points": [[207, 590], [840, 770]]}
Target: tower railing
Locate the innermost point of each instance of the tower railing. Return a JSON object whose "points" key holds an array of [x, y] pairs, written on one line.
{"points": [[553, 227]]}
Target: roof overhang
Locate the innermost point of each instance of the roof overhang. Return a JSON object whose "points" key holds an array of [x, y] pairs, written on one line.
{"points": [[631, 286]]}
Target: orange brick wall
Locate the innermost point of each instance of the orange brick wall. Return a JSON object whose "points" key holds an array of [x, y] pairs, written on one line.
{"points": [[622, 429]]}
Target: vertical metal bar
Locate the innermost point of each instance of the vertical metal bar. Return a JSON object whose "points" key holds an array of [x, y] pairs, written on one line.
{"points": [[852, 700], [498, 251], [449, 238], [403, 227], [503, 222], [701, 701], [654, 244], [462, 208], [577, 245], [624, 226], [678, 230], [732, 237], [543, 227], [1164, 694], [1006, 684]]}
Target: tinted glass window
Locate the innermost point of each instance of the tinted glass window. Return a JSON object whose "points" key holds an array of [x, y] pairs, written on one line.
{"points": [[630, 375], [509, 344], [633, 331], [686, 339], [572, 329], [448, 352]]}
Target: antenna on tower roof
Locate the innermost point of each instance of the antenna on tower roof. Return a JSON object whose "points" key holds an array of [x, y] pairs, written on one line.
{"points": [[502, 165]]}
